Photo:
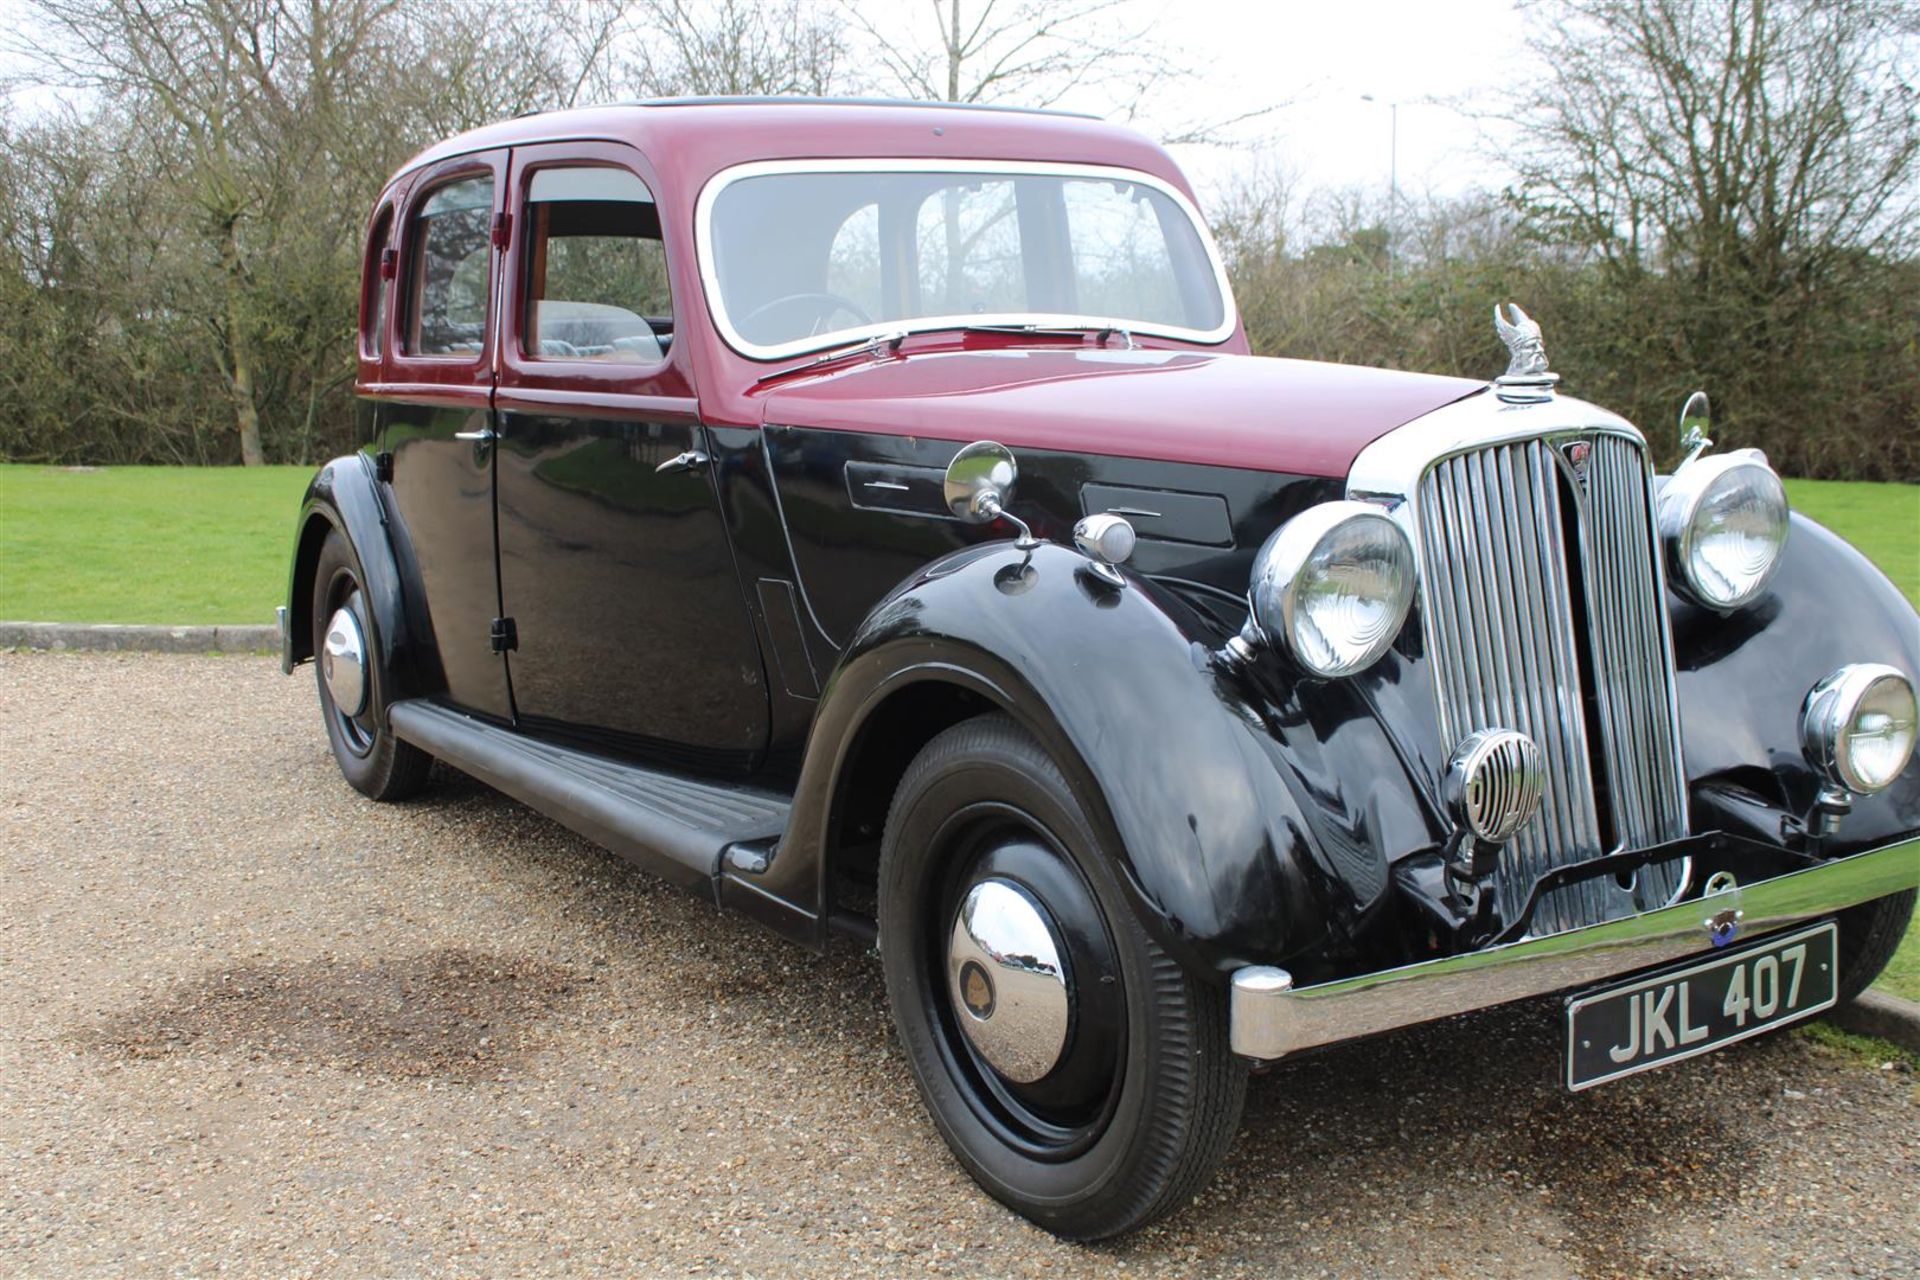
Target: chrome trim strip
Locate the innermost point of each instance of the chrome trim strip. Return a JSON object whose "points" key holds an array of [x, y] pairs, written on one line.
{"points": [[710, 278], [1271, 1020]]}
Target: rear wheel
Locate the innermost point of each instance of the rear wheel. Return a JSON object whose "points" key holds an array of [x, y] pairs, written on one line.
{"points": [[371, 758], [1082, 1076], [1869, 935]]}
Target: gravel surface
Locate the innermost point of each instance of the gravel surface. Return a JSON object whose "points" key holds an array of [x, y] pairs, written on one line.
{"points": [[253, 1023]]}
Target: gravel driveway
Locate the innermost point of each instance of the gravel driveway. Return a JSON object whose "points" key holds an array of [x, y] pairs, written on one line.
{"points": [[250, 1022]]}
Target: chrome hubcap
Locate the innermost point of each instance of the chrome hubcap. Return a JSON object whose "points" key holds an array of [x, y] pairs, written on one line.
{"points": [[1010, 990], [343, 662]]}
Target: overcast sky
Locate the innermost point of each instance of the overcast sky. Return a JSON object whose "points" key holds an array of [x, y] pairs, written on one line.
{"points": [[1318, 57]]}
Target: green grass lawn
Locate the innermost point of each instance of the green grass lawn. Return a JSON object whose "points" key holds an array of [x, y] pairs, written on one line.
{"points": [[1883, 520], [187, 545], [177, 545]]}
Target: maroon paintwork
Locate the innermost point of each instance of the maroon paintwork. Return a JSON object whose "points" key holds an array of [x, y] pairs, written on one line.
{"points": [[1170, 400], [1174, 406]]}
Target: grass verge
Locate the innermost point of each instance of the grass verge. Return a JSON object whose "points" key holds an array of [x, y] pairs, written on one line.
{"points": [[175, 545]]}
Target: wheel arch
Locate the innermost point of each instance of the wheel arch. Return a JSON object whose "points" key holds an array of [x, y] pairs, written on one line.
{"points": [[344, 498], [1208, 838], [315, 525]]}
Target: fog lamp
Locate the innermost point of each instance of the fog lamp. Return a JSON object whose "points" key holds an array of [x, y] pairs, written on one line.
{"points": [[1858, 726]]}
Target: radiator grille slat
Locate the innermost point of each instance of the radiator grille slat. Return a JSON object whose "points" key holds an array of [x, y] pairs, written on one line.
{"points": [[1520, 553]]}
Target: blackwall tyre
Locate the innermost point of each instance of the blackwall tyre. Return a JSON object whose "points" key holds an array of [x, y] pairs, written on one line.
{"points": [[378, 764], [1869, 935], [1111, 1098]]}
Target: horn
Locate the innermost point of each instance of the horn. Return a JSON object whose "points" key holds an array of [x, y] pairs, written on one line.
{"points": [[1521, 320], [1500, 325]]}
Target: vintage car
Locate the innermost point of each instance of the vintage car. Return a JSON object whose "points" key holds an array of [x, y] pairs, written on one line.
{"points": [[870, 517]]}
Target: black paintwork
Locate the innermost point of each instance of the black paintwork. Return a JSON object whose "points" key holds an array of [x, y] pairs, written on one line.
{"points": [[634, 635], [1264, 816], [442, 493]]}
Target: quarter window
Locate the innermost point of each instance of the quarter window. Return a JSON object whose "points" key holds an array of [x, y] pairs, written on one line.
{"points": [[374, 331], [452, 235], [596, 270]]}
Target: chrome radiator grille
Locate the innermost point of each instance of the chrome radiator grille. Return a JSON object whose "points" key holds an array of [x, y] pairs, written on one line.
{"points": [[1542, 612]]}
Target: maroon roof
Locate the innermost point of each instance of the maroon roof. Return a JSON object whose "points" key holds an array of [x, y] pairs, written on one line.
{"points": [[690, 140]]}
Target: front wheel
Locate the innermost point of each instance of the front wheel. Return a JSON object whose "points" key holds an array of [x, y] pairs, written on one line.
{"points": [[1869, 935], [1081, 1075], [371, 758]]}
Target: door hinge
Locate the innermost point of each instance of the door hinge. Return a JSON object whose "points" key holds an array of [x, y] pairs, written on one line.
{"points": [[503, 636], [383, 468], [502, 222]]}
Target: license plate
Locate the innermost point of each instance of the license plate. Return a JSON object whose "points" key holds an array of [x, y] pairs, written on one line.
{"points": [[1684, 1012]]}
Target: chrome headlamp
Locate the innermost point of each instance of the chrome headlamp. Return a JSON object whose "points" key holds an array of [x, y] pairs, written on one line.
{"points": [[1332, 586], [1724, 523], [1858, 726]]}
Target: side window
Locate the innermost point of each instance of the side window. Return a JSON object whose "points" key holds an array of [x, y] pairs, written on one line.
{"points": [[853, 263], [596, 270], [447, 296], [373, 305]]}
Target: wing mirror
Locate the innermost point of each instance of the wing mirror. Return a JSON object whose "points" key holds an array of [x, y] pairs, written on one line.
{"points": [[979, 484], [1696, 416]]}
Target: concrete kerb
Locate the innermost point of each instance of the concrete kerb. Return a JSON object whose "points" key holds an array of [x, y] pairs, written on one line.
{"points": [[85, 637]]}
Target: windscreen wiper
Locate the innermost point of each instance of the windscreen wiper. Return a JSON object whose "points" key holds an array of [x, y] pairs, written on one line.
{"points": [[887, 344]]}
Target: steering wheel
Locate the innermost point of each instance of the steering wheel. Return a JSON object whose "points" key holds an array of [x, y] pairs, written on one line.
{"points": [[823, 307]]}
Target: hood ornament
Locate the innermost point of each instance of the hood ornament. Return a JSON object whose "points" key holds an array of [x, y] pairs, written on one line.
{"points": [[1526, 380]]}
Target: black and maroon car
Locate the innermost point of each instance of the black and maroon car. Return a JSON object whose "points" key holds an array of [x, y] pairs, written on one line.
{"points": [[869, 516]]}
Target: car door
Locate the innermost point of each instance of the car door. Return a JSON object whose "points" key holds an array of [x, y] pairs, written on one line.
{"points": [[633, 636], [433, 412]]}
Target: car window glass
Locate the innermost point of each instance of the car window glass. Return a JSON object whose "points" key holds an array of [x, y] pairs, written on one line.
{"points": [[968, 242], [452, 235], [377, 284], [853, 263], [1120, 260], [596, 270], [802, 259]]}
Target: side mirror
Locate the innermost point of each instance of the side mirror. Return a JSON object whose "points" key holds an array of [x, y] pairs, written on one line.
{"points": [[1696, 417], [980, 480], [979, 483]]}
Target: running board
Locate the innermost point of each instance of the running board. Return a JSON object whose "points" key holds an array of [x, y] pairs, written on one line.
{"points": [[677, 827]]}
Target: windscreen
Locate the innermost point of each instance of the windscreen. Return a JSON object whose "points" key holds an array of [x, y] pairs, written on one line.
{"points": [[805, 259]]}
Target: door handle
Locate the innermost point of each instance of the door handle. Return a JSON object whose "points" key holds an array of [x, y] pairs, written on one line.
{"points": [[485, 433], [682, 462]]}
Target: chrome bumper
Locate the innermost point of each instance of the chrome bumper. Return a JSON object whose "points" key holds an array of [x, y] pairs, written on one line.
{"points": [[1272, 1018]]}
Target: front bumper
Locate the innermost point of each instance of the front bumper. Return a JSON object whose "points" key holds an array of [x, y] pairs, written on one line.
{"points": [[1271, 1018]]}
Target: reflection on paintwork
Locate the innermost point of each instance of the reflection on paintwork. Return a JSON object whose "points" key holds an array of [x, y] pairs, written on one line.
{"points": [[633, 633]]}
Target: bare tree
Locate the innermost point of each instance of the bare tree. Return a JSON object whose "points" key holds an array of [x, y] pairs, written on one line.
{"points": [[732, 47], [1755, 155], [1036, 53]]}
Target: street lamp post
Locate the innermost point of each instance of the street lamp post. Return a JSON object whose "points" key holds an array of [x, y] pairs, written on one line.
{"points": [[1393, 174]]}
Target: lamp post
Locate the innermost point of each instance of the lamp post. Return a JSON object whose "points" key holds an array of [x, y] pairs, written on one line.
{"points": [[1393, 174]]}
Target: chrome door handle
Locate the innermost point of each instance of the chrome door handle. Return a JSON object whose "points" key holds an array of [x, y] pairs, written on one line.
{"points": [[485, 433], [682, 462]]}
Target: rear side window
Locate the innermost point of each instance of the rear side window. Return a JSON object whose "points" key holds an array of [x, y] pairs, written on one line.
{"points": [[447, 297], [374, 305], [596, 270]]}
